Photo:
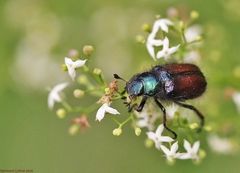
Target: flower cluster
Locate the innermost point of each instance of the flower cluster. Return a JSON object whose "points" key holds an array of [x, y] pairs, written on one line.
{"points": [[170, 40]]}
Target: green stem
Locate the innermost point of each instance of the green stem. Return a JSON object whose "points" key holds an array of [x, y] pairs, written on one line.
{"points": [[66, 106]]}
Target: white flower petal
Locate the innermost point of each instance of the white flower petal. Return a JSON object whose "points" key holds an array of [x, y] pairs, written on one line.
{"points": [[72, 65], [196, 146], [236, 100], [160, 54], [174, 147], [79, 63], [68, 61], [187, 145], [150, 49], [72, 73], [193, 32], [165, 150], [166, 139], [159, 130], [152, 136], [54, 94], [172, 50], [111, 110], [50, 102], [165, 43], [100, 113], [184, 156]]}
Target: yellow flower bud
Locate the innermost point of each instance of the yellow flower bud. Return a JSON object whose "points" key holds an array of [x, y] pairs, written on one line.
{"points": [[181, 24], [117, 132], [193, 126], [208, 128], [202, 154], [137, 131], [194, 14], [97, 71], [88, 50], [61, 113], [83, 79], [140, 39], [73, 130], [148, 143], [146, 27], [64, 67], [236, 72], [78, 93]]}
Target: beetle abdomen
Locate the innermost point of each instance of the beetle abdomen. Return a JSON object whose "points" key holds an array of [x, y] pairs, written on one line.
{"points": [[188, 86], [188, 81]]}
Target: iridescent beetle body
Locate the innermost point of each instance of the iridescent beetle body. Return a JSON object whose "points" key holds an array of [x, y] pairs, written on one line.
{"points": [[172, 82]]}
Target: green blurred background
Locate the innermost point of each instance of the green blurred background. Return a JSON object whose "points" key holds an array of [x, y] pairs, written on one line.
{"points": [[35, 35]]}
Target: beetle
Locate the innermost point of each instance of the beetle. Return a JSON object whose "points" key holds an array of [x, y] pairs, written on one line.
{"points": [[170, 82]]}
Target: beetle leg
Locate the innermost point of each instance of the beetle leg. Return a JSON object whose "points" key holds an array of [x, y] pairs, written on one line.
{"points": [[165, 118], [199, 114], [130, 107], [142, 103]]}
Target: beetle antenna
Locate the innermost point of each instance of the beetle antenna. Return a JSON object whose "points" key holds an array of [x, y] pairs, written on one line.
{"points": [[118, 77]]}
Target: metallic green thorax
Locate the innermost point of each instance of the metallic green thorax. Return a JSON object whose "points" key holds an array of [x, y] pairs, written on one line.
{"points": [[149, 83]]}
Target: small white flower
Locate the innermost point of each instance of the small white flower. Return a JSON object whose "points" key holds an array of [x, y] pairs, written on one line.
{"points": [[54, 95], [151, 43], [192, 57], [236, 100], [161, 24], [171, 153], [147, 117], [192, 151], [220, 145], [171, 110], [166, 50], [105, 108], [72, 65], [192, 33], [158, 138]]}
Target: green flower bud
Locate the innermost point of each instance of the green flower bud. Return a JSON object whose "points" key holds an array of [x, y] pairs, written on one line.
{"points": [[194, 14], [64, 67], [146, 28], [181, 25], [236, 72], [74, 129], [193, 126], [140, 39], [78, 93], [171, 161], [137, 131], [208, 128], [202, 154], [148, 143], [117, 131], [61, 113], [88, 50], [82, 79], [97, 71]]}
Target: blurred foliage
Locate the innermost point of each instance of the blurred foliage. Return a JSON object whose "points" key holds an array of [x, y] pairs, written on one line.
{"points": [[34, 138]]}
